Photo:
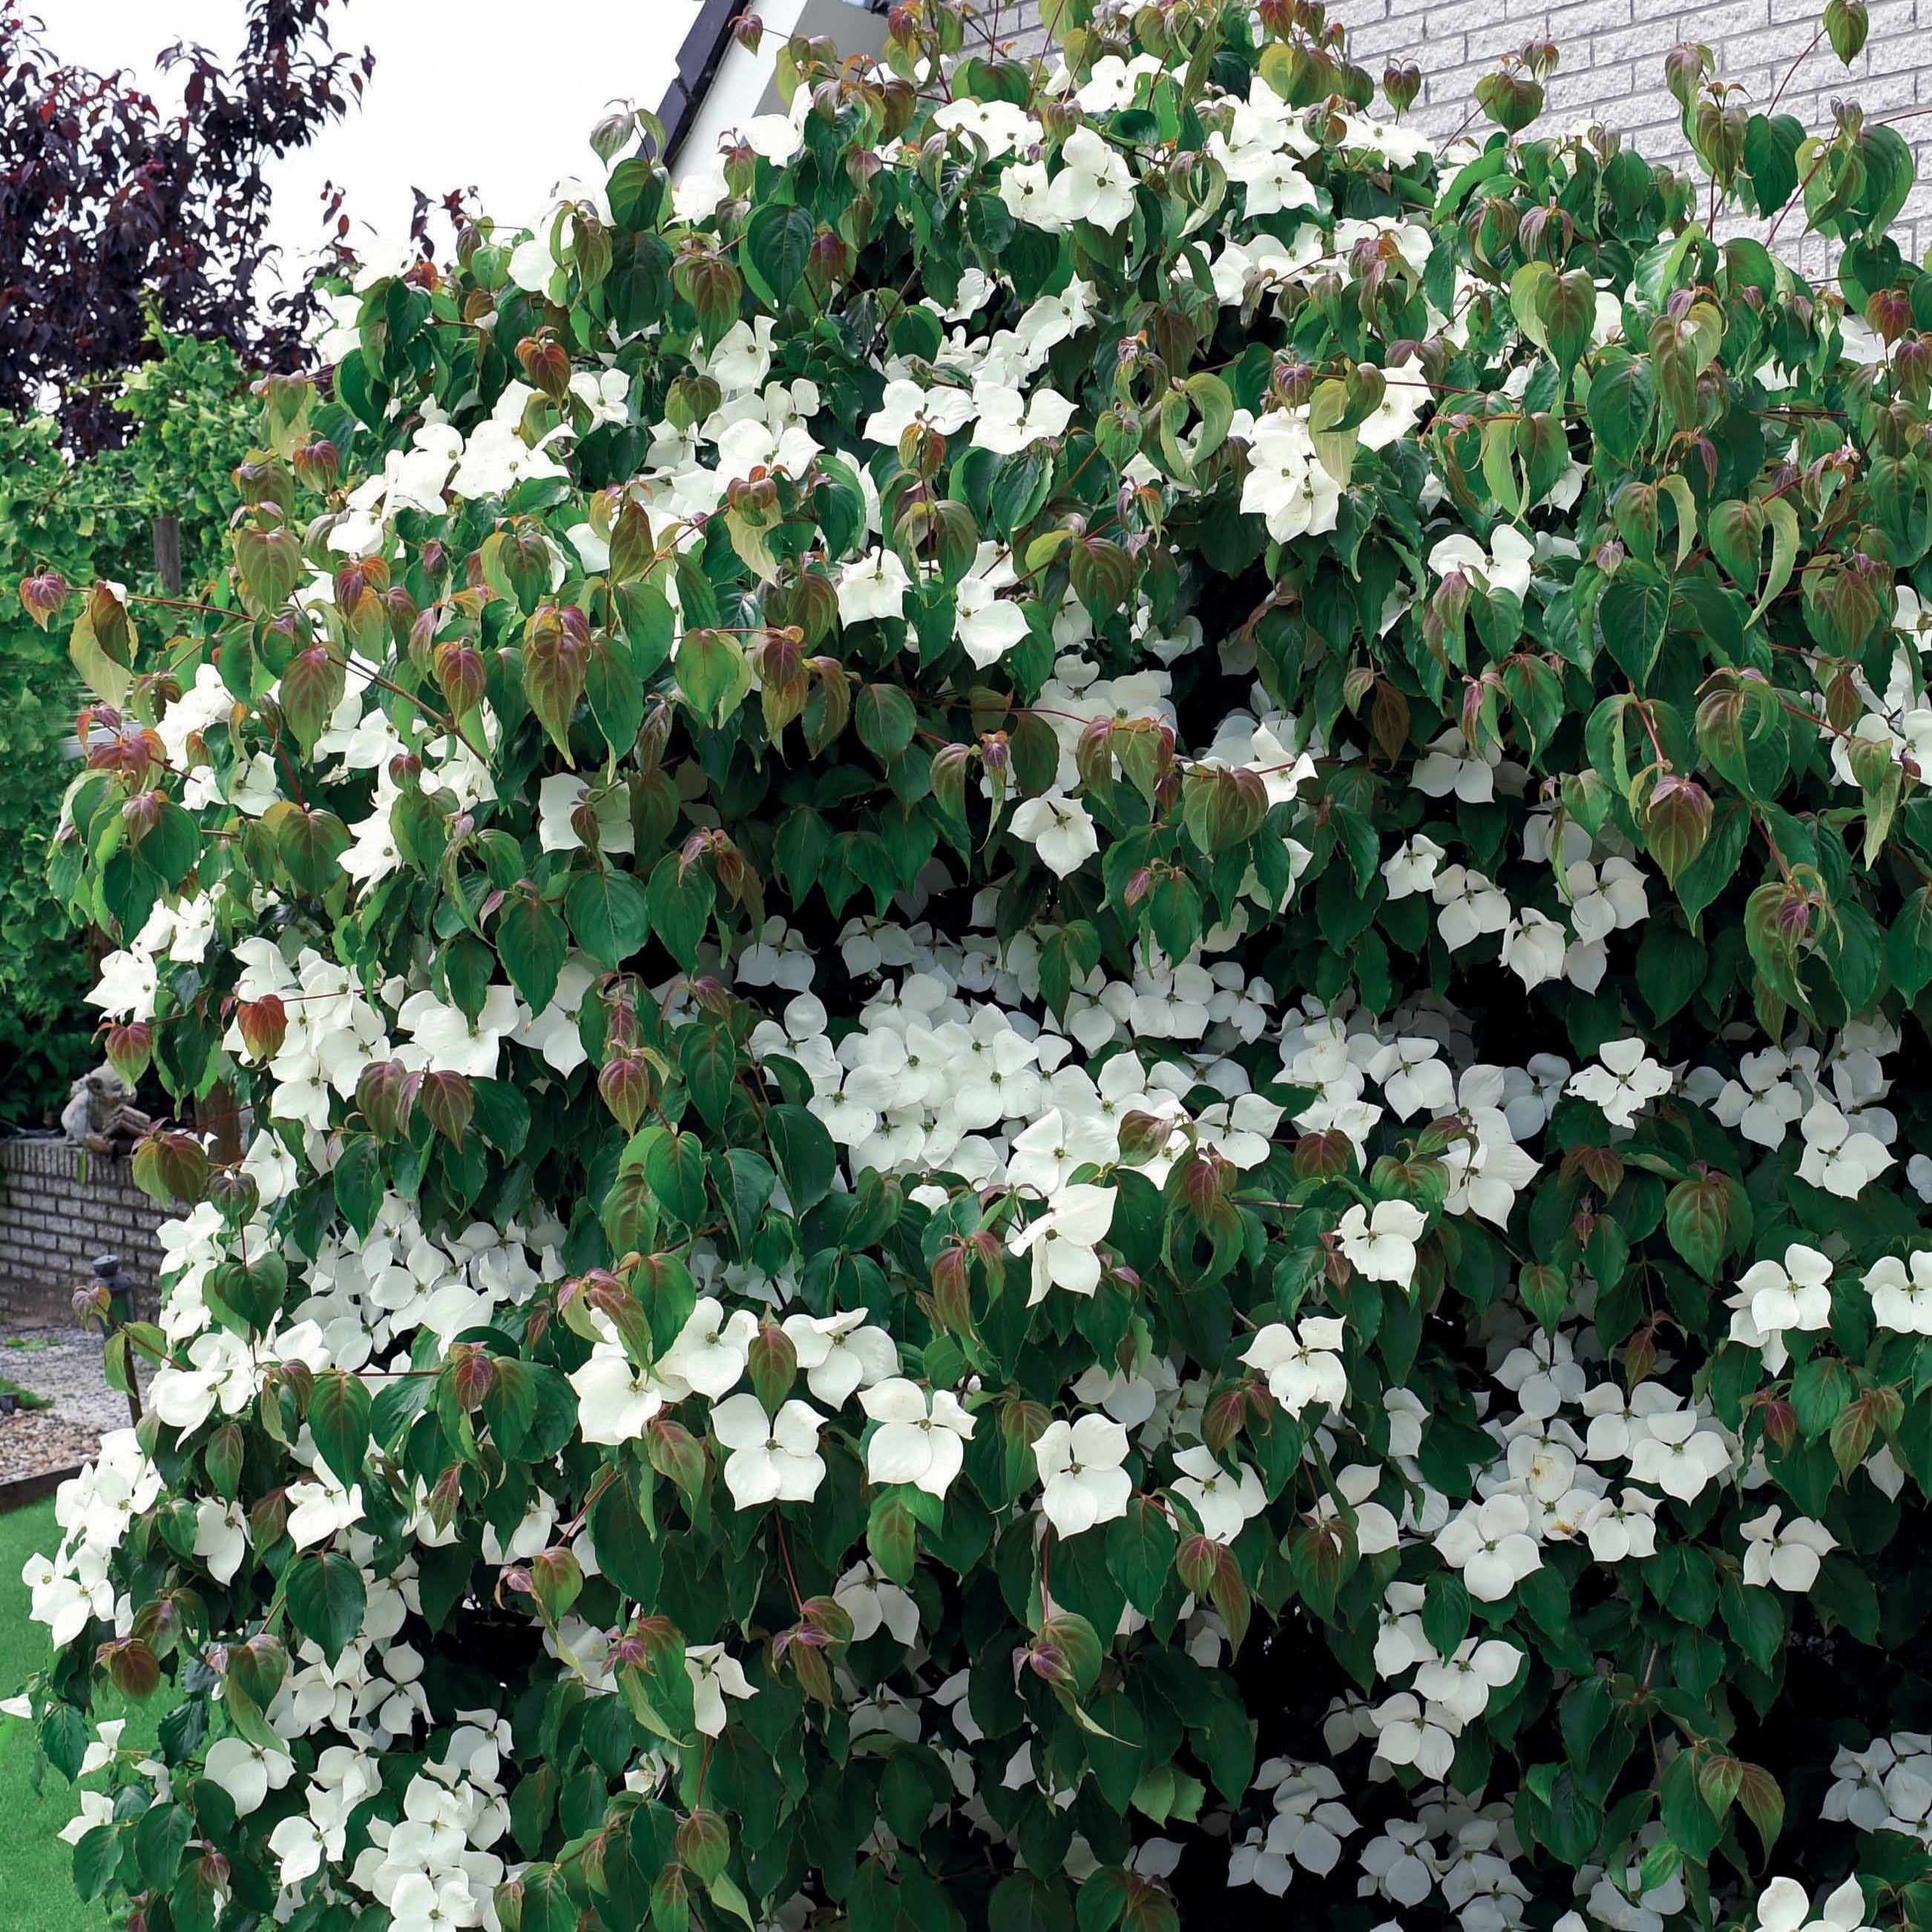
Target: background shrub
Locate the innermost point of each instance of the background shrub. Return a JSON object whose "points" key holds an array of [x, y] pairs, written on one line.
{"points": [[188, 422]]}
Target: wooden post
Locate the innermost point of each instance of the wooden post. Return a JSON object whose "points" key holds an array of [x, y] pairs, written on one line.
{"points": [[217, 1113], [167, 553]]}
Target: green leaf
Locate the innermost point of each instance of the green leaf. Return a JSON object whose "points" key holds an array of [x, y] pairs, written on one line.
{"points": [[326, 1599], [709, 1064], [714, 674], [1707, 875], [680, 902], [1763, 1804], [533, 945], [1771, 158], [1027, 1902], [750, 1183], [1103, 1898], [649, 625], [1631, 616], [1670, 966], [1819, 1392], [358, 1179], [1697, 1216], [97, 1858], [1140, 1553], [311, 688], [1445, 1612], [610, 915], [627, 1547], [1622, 406], [1783, 521], [311, 844], [892, 1536], [806, 1158], [1847, 22], [1566, 305], [885, 718], [615, 687], [1908, 946], [338, 1418], [673, 1164], [555, 663], [64, 1737], [1686, 1819], [779, 240], [1021, 487], [160, 1840]]}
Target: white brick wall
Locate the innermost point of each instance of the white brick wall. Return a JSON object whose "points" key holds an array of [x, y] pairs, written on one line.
{"points": [[1612, 69], [1016, 23]]}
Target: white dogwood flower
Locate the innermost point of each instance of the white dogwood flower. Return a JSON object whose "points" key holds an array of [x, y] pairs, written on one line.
{"points": [[1412, 868], [1460, 1684], [1505, 565], [1489, 1543], [1471, 907], [1535, 947], [247, 1771], [1079, 1463], [942, 408], [1062, 1240], [840, 1353], [1679, 1455], [1009, 421], [1901, 1293], [1784, 1906], [773, 1458], [987, 625], [711, 1349], [1301, 1367], [1624, 1082], [1794, 1293], [872, 586], [1840, 1158], [1222, 1502], [1451, 766], [1286, 484], [1093, 183], [615, 1398], [1789, 1557], [921, 1437], [714, 1676], [1060, 829], [1407, 1733], [1380, 1245]]}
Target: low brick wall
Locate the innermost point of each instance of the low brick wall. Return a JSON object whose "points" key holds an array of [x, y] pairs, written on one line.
{"points": [[59, 1208]]}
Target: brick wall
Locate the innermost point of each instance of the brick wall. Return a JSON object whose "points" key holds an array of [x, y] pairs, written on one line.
{"points": [[1017, 24], [1613, 69], [53, 1222]]}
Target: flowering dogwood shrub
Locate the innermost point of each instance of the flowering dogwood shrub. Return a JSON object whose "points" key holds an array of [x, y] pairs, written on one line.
{"points": [[1071, 931]]}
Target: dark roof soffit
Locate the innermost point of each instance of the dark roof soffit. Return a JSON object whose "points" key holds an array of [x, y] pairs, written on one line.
{"points": [[697, 58], [704, 47]]}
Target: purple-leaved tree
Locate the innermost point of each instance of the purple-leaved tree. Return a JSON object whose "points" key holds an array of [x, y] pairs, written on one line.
{"points": [[112, 211]]}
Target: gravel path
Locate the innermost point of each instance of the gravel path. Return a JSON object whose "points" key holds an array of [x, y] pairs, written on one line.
{"points": [[63, 1363], [33, 1441]]}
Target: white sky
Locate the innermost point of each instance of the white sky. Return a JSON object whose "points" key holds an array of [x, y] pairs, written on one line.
{"points": [[499, 94]]}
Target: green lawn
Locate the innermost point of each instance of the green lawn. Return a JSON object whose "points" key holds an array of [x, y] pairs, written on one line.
{"points": [[36, 1889]]}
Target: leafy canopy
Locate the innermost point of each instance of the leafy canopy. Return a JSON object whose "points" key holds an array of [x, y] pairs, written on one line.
{"points": [[1073, 927]]}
